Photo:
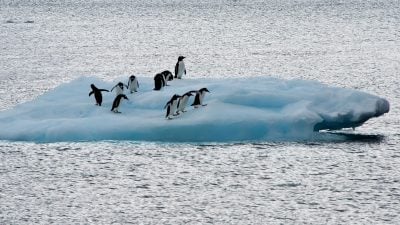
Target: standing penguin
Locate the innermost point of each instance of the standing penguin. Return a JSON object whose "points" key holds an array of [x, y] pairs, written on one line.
{"points": [[133, 84], [198, 99], [167, 76], [97, 94], [172, 106], [117, 102], [159, 82], [180, 68], [183, 101], [119, 88]]}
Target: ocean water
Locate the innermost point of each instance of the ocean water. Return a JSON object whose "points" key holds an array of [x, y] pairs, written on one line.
{"points": [[353, 44]]}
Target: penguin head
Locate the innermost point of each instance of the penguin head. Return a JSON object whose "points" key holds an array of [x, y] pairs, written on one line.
{"points": [[180, 58], [132, 77], [121, 85], [174, 98], [92, 86], [204, 90]]}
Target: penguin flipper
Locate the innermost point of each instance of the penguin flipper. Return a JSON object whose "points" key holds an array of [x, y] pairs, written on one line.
{"points": [[167, 104], [196, 100], [168, 110], [91, 93]]}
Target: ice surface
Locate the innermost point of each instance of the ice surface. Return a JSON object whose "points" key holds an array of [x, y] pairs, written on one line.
{"points": [[239, 109]]}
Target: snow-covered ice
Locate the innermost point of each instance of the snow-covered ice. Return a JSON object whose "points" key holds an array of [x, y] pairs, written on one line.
{"points": [[238, 109]]}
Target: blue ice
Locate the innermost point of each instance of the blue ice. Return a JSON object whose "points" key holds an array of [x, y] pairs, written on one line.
{"points": [[239, 109]]}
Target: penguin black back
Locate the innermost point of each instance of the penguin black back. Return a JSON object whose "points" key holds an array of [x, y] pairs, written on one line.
{"points": [[158, 82], [97, 94]]}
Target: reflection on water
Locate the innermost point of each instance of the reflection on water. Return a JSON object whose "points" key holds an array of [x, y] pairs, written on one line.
{"points": [[145, 182]]}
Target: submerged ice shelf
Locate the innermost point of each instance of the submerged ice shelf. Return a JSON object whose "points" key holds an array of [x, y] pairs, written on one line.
{"points": [[247, 109]]}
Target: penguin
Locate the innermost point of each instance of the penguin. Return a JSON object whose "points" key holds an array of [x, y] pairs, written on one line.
{"points": [[198, 99], [133, 84], [117, 102], [171, 106], [167, 76], [180, 68], [159, 82], [119, 88], [97, 94], [183, 101]]}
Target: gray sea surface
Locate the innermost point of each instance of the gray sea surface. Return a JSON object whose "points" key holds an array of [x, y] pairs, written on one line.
{"points": [[345, 43]]}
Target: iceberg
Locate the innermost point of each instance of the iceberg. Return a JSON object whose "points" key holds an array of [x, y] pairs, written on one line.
{"points": [[238, 109]]}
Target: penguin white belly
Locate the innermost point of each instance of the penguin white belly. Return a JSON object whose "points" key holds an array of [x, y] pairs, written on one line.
{"points": [[118, 91], [201, 98], [181, 69], [133, 86], [174, 107], [183, 103]]}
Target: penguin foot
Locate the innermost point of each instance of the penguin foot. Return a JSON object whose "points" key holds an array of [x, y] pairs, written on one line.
{"points": [[204, 105]]}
